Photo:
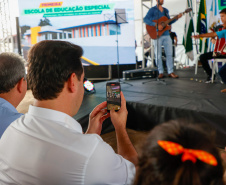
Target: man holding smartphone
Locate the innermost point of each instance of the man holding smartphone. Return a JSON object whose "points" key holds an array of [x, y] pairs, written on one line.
{"points": [[46, 145]]}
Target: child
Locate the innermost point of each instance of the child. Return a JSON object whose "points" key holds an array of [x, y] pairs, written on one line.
{"points": [[166, 158]]}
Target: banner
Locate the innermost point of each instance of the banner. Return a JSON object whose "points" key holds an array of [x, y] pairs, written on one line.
{"points": [[201, 22], [188, 29], [222, 4], [92, 24]]}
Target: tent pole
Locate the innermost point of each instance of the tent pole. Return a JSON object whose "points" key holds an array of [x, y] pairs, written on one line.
{"points": [[143, 54], [195, 24], [142, 34], [152, 46], [195, 20]]}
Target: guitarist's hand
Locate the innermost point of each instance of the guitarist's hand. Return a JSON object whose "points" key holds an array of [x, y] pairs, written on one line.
{"points": [[179, 16], [160, 27]]}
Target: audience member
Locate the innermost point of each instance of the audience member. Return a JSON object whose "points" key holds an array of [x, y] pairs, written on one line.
{"points": [[13, 87], [180, 154], [46, 145]]}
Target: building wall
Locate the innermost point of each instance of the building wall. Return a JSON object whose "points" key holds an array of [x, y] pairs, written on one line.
{"points": [[34, 34], [96, 30]]}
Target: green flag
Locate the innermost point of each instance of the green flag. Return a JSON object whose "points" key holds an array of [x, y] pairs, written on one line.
{"points": [[201, 22], [188, 29]]}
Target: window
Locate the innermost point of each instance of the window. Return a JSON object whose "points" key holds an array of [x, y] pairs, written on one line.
{"points": [[54, 35], [61, 35]]}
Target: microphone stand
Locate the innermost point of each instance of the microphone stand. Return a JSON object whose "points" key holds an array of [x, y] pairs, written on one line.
{"points": [[117, 25]]}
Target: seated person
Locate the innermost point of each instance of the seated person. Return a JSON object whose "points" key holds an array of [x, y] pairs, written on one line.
{"points": [[218, 52], [13, 87], [179, 154], [46, 145], [173, 36], [147, 50]]}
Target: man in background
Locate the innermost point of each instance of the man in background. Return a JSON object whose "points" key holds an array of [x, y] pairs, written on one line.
{"points": [[13, 87], [46, 145]]}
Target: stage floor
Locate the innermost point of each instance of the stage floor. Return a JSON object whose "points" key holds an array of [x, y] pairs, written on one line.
{"points": [[155, 102]]}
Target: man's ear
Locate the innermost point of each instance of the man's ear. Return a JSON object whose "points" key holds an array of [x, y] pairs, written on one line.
{"points": [[20, 85], [72, 82]]}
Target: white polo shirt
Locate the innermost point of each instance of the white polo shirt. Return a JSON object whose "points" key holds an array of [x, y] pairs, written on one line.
{"points": [[48, 147]]}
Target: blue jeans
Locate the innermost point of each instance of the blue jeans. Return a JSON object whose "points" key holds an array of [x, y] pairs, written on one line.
{"points": [[165, 41], [222, 73]]}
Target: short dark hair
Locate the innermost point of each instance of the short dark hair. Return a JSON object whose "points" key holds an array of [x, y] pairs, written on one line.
{"points": [[223, 11], [50, 64], [11, 70], [156, 166]]}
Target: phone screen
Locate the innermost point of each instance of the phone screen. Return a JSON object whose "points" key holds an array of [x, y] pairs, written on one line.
{"points": [[113, 96]]}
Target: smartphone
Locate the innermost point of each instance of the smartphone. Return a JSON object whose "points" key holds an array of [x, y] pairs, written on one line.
{"points": [[113, 90]]}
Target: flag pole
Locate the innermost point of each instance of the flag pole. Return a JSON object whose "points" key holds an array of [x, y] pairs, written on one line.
{"points": [[202, 23], [194, 22]]}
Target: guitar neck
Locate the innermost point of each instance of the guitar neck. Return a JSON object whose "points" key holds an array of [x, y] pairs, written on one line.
{"points": [[170, 20]]}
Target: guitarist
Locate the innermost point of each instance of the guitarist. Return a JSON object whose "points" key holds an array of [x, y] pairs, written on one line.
{"points": [[156, 13]]}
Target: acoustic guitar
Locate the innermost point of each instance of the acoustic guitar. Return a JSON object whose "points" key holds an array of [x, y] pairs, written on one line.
{"points": [[164, 21]]}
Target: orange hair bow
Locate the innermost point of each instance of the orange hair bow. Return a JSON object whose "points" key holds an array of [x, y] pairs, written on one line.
{"points": [[188, 154]]}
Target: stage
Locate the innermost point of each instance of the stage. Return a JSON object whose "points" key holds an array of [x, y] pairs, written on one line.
{"points": [[155, 102]]}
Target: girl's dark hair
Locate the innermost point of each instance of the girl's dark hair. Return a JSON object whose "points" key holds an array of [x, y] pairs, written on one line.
{"points": [[157, 167]]}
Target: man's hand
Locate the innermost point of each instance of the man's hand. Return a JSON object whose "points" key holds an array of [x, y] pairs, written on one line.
{"points": [[195, 36], [96, 118], [119, 118], [180, 15], [223, 156], [124, 146], [160, 27]]}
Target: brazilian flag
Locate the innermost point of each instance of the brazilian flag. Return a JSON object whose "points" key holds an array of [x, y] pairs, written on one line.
{"points": [[201, 22]]}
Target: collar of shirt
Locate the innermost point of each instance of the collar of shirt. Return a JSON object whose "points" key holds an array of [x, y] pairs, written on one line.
{"points": [[157, 13], [156, 7], [55, 116], [6, 104]]}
